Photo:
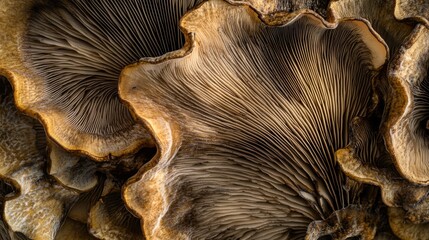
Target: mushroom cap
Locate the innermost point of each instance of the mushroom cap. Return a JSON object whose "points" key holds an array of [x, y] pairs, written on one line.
{"points": [[406, 132], [270, 6], [379, 13], [40, 206], [246, 128], [412, 9], [70, 57], [366, 160], [72, 171]]}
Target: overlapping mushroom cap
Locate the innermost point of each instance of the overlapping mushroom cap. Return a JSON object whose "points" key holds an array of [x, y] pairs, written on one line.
{"points": [[70, 57], [247, 117], [407, 129], [270, 6], [412, 9], [41, 204], [379, 13]]}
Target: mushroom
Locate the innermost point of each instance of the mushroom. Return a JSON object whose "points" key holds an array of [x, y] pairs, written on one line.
{"points": [[404, 229], [72, 171], [348, 222], [270, 6], [104, 212], [80, 210], [109, 219], [405, 128], [246, 117], [366, 160], [379, 13], [6, 190], [412, 9], [40, 206], [70, 57]]}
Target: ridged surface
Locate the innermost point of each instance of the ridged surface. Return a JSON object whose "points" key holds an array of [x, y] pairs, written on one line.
{"points": [[258, 126]]}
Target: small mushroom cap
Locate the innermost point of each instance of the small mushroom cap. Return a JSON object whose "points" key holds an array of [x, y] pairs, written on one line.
{"points": [[72, 171], [406, 134], [234, 115]]}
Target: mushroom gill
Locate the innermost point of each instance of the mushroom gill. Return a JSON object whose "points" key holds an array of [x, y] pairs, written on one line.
{"points": [[407, 202], [363, 148], [71, 55], [407, 134], [247, 117], [39, 207]]}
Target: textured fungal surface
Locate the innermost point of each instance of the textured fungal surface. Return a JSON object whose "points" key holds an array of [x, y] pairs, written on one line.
{"points": [[270, 6], [214, 119], [109, 219], [379, 13], [72, 171], [40, 205], [246, 134], [412, 9], [74, 52], [366, 160], [407, 134]]}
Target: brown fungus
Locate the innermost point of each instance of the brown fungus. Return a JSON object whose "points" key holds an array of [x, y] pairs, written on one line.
{"points": [[71, 54], [412, 9], [39, 207], [80, 210], [404, 229], [110, 220], [408, 203], [406, 133], [72, 171], [379, 13], [247, 117], [270, 6], [74, 230]]}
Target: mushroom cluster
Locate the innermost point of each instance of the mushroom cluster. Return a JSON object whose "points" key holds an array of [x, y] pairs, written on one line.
{"points": [[214, 119]]}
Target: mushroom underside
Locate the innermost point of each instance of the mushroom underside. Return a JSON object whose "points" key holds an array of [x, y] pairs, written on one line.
{"points": [[250, 162]]}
